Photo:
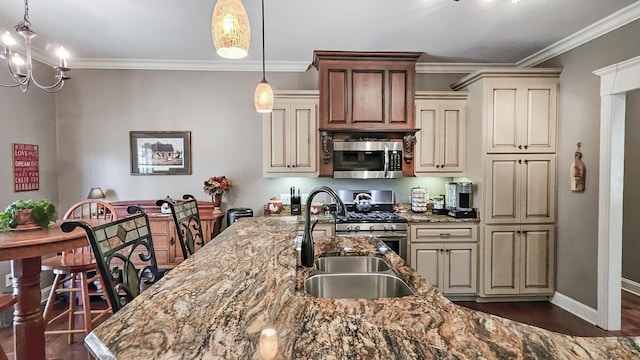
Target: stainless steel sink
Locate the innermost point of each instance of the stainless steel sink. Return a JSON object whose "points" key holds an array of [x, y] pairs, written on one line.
{"points": [[351, 264], [356, 285]]}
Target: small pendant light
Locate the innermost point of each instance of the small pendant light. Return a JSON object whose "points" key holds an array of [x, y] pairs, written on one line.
{"points": [[230, 29], [263, 97]]}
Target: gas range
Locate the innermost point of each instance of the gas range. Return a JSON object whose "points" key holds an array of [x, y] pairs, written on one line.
{"points": [[379, 222]]}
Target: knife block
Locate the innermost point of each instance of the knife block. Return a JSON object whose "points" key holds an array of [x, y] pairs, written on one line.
{"points": [[296, 207]]}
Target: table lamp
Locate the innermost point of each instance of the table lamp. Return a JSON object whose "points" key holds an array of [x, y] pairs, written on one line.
{"points": [[96, 193]]}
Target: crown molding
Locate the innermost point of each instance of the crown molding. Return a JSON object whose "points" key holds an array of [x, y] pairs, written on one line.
{"points": [[255, 66], [618, 19]]}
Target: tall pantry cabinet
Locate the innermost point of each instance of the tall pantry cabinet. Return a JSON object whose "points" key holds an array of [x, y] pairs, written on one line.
{"points": [[512, 117]]}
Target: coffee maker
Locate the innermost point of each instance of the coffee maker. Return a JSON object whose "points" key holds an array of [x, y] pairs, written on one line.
{"points": [[459, 199]]}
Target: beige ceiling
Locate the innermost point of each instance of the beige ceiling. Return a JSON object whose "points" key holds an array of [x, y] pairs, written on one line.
{"points": [[467, 31]]}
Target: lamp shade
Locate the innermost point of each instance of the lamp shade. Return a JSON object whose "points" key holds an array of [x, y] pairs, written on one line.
{"points": [[96, 193], [230, 29], [263, 97]]}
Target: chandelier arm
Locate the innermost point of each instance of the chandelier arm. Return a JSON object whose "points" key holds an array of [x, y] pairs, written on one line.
{"points": [[13, 76], [47, 87]]}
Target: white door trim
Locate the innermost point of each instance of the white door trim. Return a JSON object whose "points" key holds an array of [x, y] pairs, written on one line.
{"points": [[615, 81]]}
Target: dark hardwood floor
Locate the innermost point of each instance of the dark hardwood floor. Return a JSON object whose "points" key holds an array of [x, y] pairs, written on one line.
{"points": [[548, 316], [541, 314]]}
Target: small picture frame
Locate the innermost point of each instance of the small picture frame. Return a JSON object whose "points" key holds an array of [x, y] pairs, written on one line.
{"points": [[160, 152]]}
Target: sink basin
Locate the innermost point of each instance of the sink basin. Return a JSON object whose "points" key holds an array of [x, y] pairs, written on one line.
{"points": [[351, 264], [356, 286]]}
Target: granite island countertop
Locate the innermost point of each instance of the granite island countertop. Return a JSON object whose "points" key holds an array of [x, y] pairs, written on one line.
{"points": [[215, 305]]}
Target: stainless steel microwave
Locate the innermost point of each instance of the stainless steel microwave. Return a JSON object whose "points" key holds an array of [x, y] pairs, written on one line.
{"points": [[367, 159]]}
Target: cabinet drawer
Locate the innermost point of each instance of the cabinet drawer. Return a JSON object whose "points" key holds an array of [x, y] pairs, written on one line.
{"points": [[422, 233], [160, 242]]}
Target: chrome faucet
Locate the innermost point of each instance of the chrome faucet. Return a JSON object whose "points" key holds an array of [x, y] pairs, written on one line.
{"points": [[306, 252]]}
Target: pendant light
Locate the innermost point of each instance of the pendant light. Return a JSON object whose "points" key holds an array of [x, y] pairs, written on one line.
{"points": [[263, 97], [230, 29]]}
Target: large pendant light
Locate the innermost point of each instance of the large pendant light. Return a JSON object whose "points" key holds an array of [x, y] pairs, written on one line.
{"points": [[230, 29], [263, 97]]}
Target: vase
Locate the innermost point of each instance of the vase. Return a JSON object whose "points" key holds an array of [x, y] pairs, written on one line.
{"points": [[25, 220], [217, 201]]}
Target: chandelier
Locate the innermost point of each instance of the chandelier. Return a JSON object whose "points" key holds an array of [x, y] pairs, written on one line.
{"points": [[230, 29], [263, 96], [15, 61]]}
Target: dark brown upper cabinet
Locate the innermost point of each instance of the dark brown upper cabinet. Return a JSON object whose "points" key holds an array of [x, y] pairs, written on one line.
{"points": [[366, 91]]}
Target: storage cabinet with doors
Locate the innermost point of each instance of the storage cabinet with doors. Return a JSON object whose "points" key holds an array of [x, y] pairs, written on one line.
{"points": [[521, 259], [520, 188], [522, 115], [366, 90], [290, 135], [516, 111], [440, 143], [446, 255]]}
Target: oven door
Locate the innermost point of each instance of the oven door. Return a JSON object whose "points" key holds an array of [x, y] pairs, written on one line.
{"points": [[394, 240]]}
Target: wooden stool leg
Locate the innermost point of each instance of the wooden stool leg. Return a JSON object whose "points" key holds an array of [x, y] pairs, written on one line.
{"points": [[86, 307], [72, 308], [52, 298]]}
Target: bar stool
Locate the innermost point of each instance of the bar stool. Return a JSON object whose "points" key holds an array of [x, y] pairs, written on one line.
{"points": [[78, 268]]}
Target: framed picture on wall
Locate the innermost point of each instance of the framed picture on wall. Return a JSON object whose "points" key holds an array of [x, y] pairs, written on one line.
{"points": [[160, 152]]}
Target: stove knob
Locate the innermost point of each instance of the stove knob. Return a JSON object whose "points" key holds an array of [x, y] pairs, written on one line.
{"points": [[387, 227], [348, 227], [371, 228], [393, 227], [357, 228]]}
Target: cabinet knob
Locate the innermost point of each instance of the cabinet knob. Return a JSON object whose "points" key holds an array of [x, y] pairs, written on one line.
{"points": [[441, 166], [519, 146], [519, 161], [445, 234], [293, 166], [437, 166], [441, 250], [518, 232], [526, 161], [526, 146], [447, 250], [288, 165], [172, 241]]}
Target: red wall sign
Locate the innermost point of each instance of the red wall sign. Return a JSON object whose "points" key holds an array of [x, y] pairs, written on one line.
{"points": [[26, 171]]}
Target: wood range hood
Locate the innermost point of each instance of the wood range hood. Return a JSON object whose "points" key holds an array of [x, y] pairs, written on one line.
{"points": [[366, 94]]}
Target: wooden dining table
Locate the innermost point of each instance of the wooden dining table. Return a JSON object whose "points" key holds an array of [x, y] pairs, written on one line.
{"points": [[24, 248]]}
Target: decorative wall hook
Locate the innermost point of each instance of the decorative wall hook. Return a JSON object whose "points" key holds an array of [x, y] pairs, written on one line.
{"points": [[577, 171]]}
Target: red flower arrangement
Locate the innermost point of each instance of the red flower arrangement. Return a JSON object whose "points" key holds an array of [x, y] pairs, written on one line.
{"points": [[216, 185]]}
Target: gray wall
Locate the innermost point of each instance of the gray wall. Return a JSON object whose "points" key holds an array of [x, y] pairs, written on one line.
{"points": [[579, 121], [27, 118], [98, 109], [630, 223]]}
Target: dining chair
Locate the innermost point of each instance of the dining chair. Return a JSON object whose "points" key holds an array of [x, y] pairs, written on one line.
{"points": [[6, 302], [77, 268], [186, 219], [124, 256]]}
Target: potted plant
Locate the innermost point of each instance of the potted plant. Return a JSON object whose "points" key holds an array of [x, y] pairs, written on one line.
{"points": [[28, 214]]}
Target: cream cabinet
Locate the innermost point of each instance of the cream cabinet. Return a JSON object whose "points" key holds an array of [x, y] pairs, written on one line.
{"points": [[440, 141], [446, 255], [519, 260], [520, 188], [290, 135], [522, 115]]}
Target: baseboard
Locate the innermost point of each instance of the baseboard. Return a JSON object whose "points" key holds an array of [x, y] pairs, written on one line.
{"points": [[44, 294], [577, 308], [631, 286]]}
